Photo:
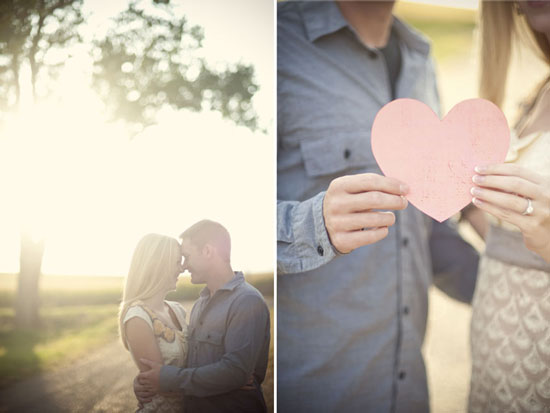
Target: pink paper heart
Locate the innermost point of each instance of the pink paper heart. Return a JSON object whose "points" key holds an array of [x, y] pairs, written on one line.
{"points": [[436, 158]]}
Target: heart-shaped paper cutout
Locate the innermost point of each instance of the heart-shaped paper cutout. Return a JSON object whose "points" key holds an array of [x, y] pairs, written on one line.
{"points": [[436, 158]]}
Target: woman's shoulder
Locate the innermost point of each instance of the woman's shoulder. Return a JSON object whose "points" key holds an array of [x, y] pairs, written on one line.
{"points": [[177, 308], [138, 311]]}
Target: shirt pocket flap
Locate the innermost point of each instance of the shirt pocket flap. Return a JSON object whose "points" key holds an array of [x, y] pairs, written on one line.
{"points": [[211, 337], [338, 152]]}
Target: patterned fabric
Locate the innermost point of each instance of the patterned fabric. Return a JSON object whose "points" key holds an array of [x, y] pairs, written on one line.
{"points": [[173, 348], [510, 337]]}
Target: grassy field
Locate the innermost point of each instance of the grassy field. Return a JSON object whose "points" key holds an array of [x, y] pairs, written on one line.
{"points": [[450, 30], [78, 315]]}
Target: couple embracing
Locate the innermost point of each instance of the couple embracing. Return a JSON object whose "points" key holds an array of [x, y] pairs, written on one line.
{"points": [[216, 363]]}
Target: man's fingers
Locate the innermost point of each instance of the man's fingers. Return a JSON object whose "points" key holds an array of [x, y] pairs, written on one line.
{"points": [[354, 222], [348, 241], [376, 200], [355, 184]]}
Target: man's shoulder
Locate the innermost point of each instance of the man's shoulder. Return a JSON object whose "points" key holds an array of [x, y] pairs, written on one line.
{"points": [[247, 294], [246, 288]]}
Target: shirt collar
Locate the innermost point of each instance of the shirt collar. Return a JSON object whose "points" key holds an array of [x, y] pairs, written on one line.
{"points": [[321, 18], [230, 285], [324, 17]]}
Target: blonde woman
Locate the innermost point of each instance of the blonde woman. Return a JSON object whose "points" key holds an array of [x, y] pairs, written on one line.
{"points": [[151, 327], [510, 330]]}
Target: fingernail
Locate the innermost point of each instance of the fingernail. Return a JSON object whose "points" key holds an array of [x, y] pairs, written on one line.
{"points": [[480, 169], [475, 191], [478, 179], [476, 201], [404, 188]]}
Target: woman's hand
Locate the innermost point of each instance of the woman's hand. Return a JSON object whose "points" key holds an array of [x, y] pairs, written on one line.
{"points": [[518, 196]]}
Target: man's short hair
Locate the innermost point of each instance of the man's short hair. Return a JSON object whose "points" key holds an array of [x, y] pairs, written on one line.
{"points": [[209, 232]]}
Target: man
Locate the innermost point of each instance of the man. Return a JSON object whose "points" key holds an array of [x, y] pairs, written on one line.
{"points": [[228, 333], [353, 276]]}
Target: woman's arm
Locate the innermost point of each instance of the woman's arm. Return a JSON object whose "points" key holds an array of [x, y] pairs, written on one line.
{"points": [[142, 342], [506, 191]]}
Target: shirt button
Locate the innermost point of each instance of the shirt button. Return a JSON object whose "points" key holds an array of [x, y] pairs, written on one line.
{"points": [[347, 154], [402, 375], [320, 250], [405, 242], [372, 54], [405, 310]]}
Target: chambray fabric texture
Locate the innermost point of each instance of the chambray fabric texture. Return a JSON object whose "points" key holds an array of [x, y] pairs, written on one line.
{"points": [[229, 335], [350, 327]]}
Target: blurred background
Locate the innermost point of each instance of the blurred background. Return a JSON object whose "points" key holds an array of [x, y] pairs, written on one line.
{"points": [[118, 119], [452, 28]]}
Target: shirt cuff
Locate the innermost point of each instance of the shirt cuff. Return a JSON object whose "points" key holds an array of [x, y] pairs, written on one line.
{"points": [[171, 379], [310, 247]]}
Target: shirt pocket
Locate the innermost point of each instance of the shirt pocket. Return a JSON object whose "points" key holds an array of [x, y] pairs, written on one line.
{"points": [[338, 154], [211, 342]]}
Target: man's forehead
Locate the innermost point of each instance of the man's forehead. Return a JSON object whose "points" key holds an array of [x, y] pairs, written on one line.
{"points": [[186, 245]]}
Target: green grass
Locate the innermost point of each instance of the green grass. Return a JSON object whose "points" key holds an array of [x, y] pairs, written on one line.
{"points": [[78, 315], [64, 334], [450, 30]]}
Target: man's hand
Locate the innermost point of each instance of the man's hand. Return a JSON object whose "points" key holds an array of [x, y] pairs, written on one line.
{"points": [[150, 378], [143, 393], [349, 204]]}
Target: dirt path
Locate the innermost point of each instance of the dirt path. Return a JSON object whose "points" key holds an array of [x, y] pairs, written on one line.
{"points": [[100, 382]]}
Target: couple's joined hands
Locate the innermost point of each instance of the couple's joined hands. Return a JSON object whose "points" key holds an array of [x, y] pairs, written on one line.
{"points": [[504, 190], [356, 209], [146, 383]]}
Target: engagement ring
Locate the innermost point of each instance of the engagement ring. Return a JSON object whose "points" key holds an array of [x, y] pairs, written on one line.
{"points": [[528, 208]]}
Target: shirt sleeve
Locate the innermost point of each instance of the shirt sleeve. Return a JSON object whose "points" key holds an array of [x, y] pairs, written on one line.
{"points": [[302, 239], [246, 333], [454, 262]]}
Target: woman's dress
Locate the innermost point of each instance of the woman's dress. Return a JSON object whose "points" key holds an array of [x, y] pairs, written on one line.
{"points": [[510, 329], [173, 348]]}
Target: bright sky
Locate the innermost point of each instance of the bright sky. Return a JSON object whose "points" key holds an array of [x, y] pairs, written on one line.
{"points": [[98, 192]]}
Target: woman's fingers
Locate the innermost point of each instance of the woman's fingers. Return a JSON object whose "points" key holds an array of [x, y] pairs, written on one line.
{"points": [[502, 200], [510, 184], [504, 214], [510, 169]]}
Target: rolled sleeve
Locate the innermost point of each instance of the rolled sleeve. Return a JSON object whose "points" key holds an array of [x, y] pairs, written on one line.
{"points": [[248, 325], [302, 240]]}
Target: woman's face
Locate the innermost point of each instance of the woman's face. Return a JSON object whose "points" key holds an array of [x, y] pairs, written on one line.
{"points": [[537, 13]]}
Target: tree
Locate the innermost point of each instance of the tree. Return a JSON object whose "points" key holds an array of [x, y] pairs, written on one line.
{"points": [[30, 33], [146, 61]]}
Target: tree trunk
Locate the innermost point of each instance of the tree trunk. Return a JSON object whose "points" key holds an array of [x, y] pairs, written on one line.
{"points": [[27, 301]]}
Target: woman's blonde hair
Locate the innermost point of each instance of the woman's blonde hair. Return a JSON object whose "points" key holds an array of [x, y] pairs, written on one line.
{"points": [[500, 24], [154, 258]]}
